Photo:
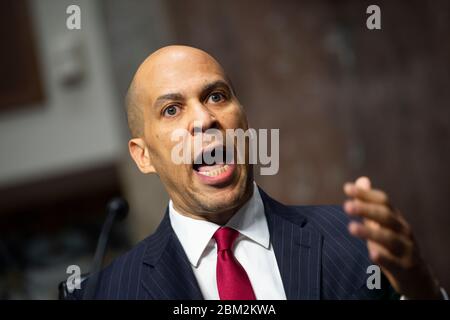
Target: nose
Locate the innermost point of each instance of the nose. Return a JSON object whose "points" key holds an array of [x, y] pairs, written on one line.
{"points": [[202, 119]]}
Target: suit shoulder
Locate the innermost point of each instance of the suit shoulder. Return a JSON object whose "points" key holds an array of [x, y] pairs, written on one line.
{"points": [[332, 223], [344, 257], [311, 211]]}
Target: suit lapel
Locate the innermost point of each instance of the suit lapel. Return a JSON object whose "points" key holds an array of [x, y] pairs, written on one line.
{"points": [[297, 250], [167, 273]]}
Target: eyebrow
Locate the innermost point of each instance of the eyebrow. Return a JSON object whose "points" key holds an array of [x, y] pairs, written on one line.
{"points": [[204, 92], [216, 84], [168, 97]]}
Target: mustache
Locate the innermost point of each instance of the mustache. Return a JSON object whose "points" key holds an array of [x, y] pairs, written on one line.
{"points": [[214, 154]]}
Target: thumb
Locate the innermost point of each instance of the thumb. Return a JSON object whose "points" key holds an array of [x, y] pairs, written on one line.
{"points": [[363, 183]]}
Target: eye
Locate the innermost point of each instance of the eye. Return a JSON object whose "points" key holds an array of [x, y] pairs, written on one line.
{"points": [[171, 111], [216, 97]]}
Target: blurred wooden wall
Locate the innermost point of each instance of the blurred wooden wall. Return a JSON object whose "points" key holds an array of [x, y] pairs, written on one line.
{"points": [[348, 101]]}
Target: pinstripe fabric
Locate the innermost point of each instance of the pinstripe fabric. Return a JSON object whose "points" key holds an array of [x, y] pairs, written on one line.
{"points": [[297, 249], [317, 258]]}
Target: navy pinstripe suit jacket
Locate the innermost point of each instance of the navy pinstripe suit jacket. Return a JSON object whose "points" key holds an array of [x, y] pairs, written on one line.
{"points": [[317, 258]]}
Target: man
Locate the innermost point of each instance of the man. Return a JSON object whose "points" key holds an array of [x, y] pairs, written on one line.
{"points": [[222, 237]]}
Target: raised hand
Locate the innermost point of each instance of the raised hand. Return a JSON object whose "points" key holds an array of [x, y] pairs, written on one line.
{"points": [[390, 241]]}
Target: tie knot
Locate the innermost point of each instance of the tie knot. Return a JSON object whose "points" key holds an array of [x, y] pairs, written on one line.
{"points": [[225, 237]]}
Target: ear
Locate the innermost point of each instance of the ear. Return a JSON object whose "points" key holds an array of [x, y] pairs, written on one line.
{"points": [[140, 154]]}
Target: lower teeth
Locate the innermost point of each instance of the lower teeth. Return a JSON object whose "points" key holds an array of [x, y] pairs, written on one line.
{"points": [[214, 172]]}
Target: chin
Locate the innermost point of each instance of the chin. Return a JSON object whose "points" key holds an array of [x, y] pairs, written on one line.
{"points": [[221, 200], [224, 199]]}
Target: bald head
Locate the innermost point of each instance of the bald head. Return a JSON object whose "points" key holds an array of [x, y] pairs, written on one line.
{"points": [[164, 68]]}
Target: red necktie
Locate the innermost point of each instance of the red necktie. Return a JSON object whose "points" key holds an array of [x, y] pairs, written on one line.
{"points": [[232, 280]]}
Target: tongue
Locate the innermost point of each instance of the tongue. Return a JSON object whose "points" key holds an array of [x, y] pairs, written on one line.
{"points": [[204, 168]]}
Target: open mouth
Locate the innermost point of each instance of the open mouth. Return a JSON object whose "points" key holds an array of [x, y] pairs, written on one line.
{"points": [[213, 166], [213, 170]]}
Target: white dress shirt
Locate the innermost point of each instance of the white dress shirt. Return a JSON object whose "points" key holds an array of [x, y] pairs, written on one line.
{"points": [[252, 249]]}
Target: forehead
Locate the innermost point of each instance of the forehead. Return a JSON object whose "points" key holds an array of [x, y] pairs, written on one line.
{"points": [[178, 73]]}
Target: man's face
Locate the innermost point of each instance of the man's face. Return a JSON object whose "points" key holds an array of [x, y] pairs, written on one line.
{"points": [[179, 90]]}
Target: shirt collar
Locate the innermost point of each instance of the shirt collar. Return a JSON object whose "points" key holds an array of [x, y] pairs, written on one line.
{"points": [[195, 234]]}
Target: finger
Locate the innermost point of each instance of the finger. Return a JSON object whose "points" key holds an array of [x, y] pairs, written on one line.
{"points": [[382, 257], [363, 183], [384, 237], [376, 212], [372, 195]]}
